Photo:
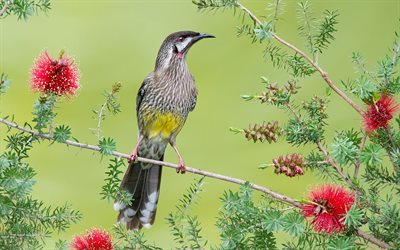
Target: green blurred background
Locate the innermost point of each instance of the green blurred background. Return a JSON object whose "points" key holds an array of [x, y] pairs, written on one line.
{"points": [[118, 41]]}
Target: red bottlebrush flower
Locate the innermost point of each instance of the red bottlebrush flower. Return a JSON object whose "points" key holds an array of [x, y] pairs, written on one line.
{"points": [[329, 204], [60, 77], [379, 114], [290, 165], [96, 239]]}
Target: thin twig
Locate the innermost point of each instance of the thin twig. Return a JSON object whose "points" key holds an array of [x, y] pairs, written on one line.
{"points": [[51, 131], [103, 107], [275, 18], [362, 68], [389, 134], [323, 73], [109, 102], [357, 164], [265, 190], [6, 5], [395, 57], [393, 146], [309, 34], [293, 111], [331, 161]]}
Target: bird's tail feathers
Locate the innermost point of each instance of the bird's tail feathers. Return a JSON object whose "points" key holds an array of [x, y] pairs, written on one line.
{"points": [[143, 182]]}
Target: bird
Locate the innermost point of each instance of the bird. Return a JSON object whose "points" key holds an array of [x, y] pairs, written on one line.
{"points": [[165, 98]]}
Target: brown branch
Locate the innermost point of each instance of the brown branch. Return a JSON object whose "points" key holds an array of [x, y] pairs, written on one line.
{"points": [[6, 5], [372, 239], [265, 190], [323, 73]]}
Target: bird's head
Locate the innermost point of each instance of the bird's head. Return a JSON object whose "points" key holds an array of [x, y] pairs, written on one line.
{"points": [[177, 45]]}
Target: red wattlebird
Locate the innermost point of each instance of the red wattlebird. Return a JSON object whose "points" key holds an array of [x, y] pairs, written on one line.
{"points": [[163, 103]]}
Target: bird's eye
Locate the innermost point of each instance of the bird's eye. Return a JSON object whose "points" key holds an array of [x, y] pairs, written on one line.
{"points": [[180, 39]]}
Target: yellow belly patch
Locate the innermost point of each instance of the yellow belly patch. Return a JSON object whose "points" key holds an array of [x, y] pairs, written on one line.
{"points": [[162, 124]]}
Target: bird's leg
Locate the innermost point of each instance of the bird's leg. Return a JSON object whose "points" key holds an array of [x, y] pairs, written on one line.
{"points": [[181, 166], [134, 155]]}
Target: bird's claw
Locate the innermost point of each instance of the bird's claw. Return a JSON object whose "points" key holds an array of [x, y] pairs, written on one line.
{"points": [[181, 167], [133, 157]]}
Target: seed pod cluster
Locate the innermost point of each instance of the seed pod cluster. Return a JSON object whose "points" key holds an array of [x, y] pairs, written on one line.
{"points": [[263, 132], [272, 94], [290, 165], [291, 87]]}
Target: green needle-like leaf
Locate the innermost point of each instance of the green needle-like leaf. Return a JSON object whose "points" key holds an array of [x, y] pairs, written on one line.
{"points": [[293, 223], [62, 133], [273, 220], [107, 146]]}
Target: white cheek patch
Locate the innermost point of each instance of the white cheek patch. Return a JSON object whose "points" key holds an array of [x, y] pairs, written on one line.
{"points": [[182, 45]]}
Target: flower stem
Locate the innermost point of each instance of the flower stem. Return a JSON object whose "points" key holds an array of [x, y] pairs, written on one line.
{"points": [[100, 117]]}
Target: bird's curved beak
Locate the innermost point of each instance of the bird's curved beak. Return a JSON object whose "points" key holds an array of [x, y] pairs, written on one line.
{"points": [[205, 35], [195, 39], [201, 36]]}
